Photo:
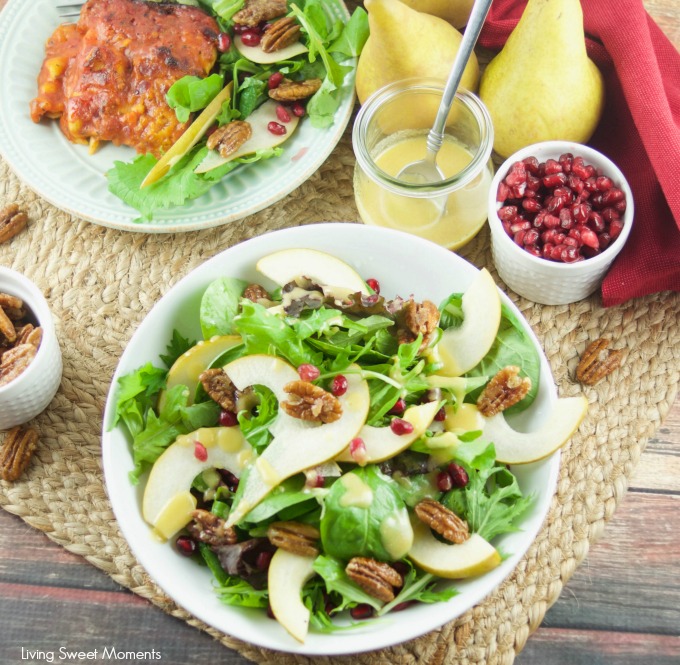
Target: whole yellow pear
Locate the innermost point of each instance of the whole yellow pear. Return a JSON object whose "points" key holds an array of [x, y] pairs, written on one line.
{"points": [[405, 43], [542, 86], [456, 12]]}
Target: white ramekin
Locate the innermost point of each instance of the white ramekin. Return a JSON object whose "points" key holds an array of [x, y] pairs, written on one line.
{"points": [[550, 282], [29, 394]]}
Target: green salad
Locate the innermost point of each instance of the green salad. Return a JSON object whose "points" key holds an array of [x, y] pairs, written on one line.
{"points": [[238, 90], [316, 450]]}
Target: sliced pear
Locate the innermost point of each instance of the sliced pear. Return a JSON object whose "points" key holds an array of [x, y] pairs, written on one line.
{"points": [[462, 348], [474, 557], [288, 573], [324, 269], [189, 139], [188, 367], [382, 443], [261, 137], [256, 54], [297, 444], [513, 447], [168, 503], [465, 418]]}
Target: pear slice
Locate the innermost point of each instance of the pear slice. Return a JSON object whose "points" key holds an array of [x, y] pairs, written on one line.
{"points": [[168, 503], [256, 54], [462, 348], [287, 574], [513, 447], [188, 367], [260, 139], [465, 418], [474, 557], [297, 444], [382, 443], [324, 269], [189, 139]]}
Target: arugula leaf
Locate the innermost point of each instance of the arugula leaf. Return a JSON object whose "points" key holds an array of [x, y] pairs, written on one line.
{"points": [[492, 501], [191, 93], [256, 428], [332, 571], [177, 346], [219, 306], [251, 93]]}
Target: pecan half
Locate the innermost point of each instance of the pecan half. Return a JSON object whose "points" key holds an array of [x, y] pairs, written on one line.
{"points": [[208, 528], [219, 387], [255, 293], [256, 11], [376, 578], [28, 334], [442, 520], [11, 303], [597, 362], [414, 318], [7, 327], [294, 537], [504, 390], [290, 91], [228, 138], [14, 361], [12, 220], [280, 34], [16, 452], [310, 402]]}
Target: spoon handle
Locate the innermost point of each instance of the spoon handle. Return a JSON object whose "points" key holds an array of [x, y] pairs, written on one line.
{"points": [[478, 14]]}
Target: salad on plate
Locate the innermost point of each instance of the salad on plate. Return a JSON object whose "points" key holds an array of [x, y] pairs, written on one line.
{"points": [[332, 454]]}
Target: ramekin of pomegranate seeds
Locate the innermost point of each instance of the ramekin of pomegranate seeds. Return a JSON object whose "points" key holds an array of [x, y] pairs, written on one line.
{"points": [[559, 214]]}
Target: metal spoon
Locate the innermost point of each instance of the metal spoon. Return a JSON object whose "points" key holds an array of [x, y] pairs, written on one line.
{"points": [[426, 170]]}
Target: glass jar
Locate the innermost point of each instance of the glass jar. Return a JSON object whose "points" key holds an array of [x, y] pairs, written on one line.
{"points": [[390, 132]]}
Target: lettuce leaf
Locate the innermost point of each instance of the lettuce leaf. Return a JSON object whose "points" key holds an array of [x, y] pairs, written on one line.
{"points": [[191, 93], [219, 306]]}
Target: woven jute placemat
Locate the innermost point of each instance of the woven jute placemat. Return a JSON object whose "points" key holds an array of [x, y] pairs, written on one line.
{"points": [[100, 283]]}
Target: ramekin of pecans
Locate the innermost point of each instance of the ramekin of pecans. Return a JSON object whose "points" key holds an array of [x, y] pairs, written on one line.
{"points": [[559, 214], [30, 358]]}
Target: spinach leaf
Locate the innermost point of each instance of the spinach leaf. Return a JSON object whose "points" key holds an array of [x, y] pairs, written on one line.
{"points": [[191, 93], [219, 306], [353, 36], [355, 509]]}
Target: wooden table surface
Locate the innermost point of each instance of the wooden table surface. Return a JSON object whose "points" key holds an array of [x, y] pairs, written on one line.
{"points": [[622, 606]]}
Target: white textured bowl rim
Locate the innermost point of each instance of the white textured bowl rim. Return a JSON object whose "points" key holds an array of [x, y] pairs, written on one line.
{"points": [[44, 318], [577, 149]]}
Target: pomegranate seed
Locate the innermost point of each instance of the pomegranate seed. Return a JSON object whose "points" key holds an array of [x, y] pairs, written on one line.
{"points": [[373, 284], [596, 221], [591, 184], [579, 169], [556, 204], [263, 560], [571, 242], [518, 238], [564, 193], [549, 236], [223, 42], [398, 408], [400, 426], [357, 449], [516, 176], [339, 385], [503, 192], [589, 237], [615, 229], [274, 80], [610, 214], [552, 167], [604, 183], [444, 482], [575, 233], [547, 250], [531, 205], [402, 606], [230, 480], [520, 226], [559, 237], [531, 164], [401, 567], [566, 218], [308, 372], [459, 476], [531, 237], [186, 546], [589, 252], [262, 26], [239, 28], [604, 239], [506, 227], [551, 222], [440, 416], [282, 113], [361, 612], [554, 179], [251, 37], [576, 184], [329, 607], [540, 219], [596, 200], [533, 249], [565, 161], [533, 183], [518, 191], [276, 128], [228, 418], [556, 253], [298, 109], [507, 213], [580, 211], [612, 196], [590, 170], [620, 206], [570, 254], [200, 451]]}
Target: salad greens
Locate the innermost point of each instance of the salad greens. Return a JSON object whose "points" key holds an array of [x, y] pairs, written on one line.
{"points": [[332, 46], [352, 504]]}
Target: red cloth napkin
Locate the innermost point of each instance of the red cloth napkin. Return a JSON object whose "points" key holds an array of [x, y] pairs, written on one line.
{"points": [[639, 131]]}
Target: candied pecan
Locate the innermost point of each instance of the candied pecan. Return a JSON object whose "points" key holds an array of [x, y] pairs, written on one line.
{"points": [[228, 138], [597, 362], [11, 303], [310, 402], [14, 361], [12, 220], [291, 91], [442, 520], [208, 528], [16, 452], [219, 387], [280, 34], [255, 293], [376, 578], [256, 11], [294, 537], [504, 390], [29, 335], [7, 327], [415, 318]]}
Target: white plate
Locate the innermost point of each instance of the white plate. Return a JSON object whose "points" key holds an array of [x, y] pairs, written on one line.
{"points": [[68, 177], [403, 265]]}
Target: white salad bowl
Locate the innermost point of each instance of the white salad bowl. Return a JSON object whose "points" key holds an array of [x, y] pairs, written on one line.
{"points": [[403, 265]]}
